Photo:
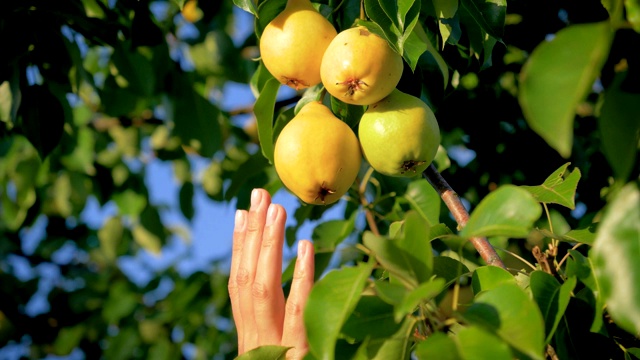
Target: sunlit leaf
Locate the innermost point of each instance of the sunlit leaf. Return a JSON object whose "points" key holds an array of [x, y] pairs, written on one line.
{"points": [[615, 258], [510, 313], [474, 342], [263, 109], [130, 203], [424, 292], [110, 236], [633, 13], [329, 234], [489, 277], [558, 76], [395, 346], [425, 200], [247, 5], [438, 346], [508, 211], [331, 301], [408, 258], [274, 352], [557, 188]]}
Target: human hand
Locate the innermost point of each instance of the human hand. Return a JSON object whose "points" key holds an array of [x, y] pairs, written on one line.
{"points": [[255, 288]]}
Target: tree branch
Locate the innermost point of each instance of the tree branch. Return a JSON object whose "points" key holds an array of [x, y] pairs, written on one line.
{"points": [[451, 199]]}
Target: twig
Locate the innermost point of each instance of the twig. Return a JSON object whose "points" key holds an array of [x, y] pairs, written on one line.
{"points": [[365, 203], [451, 199]]}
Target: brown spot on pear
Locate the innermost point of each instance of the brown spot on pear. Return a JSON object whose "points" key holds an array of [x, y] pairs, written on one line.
{"points": [[292, 44], [360, 67]]}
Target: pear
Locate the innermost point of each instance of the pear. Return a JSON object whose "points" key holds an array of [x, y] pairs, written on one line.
{"points": [[317, 156], [359, 67], [399, 135], [293, 43]]}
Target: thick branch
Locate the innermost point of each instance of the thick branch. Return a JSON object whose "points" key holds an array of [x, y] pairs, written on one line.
{"points": [[461, 215]]}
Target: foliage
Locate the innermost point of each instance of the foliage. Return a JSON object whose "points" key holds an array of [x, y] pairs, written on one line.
{"points": [[537, 108]]}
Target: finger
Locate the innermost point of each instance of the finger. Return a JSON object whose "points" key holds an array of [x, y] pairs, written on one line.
{"points": [[268, 297], [294, 333], [260, 201], [238, 240]]}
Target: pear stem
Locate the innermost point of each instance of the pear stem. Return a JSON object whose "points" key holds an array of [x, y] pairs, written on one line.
{"points": [[362, 15], [451, 199]]}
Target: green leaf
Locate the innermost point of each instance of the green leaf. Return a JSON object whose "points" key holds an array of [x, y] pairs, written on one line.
{"points": [[271, 352], [557, 188], [267, 11], [474, 342], [615, 258], [120, 303], [510, 313], [415, 240], [372, 318], [331, 301], [130, 203], [395, 346], [42, 118], [327, 235], [585, 234], [147, 239], [489, 277], [552, 298], [558, 76], [186, 200], [409, 258], [247, 5], [425, 200], [433, 52], [414, 47], [489, 14], [633, 13], [448, 268], [133, 71], [438, 346], [581, 267], [68, 339], [263, 110], [423, 293], [110, 236], [445, 10], [619, 126], [196, 121], [508, 211], [348, 113]]}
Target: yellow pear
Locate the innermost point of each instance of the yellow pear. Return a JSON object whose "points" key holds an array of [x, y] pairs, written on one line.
{"points": [[292, 44], [360, 67], [399, 135], [317, 156]]}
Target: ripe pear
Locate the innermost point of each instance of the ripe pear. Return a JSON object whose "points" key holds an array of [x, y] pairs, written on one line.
{"points": [[292, 44], [317, 156], [359, 67], [399, 135]]}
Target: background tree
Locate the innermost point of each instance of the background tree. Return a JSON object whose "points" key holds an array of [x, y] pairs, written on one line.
{"points": [[537, 104]]}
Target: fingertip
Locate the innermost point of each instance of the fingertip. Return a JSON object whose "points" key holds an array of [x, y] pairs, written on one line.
{"points": [[240, 220]]}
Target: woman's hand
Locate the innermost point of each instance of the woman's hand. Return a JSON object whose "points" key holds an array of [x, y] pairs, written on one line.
{"points": [[255, 288]]}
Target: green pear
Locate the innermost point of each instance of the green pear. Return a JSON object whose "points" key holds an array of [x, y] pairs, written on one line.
{"points": [[399, 135]]}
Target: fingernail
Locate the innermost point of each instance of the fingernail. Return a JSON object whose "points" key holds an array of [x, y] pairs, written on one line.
{"points": [[240, 220], [272, 213], [302, 249], [256, 196]]}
